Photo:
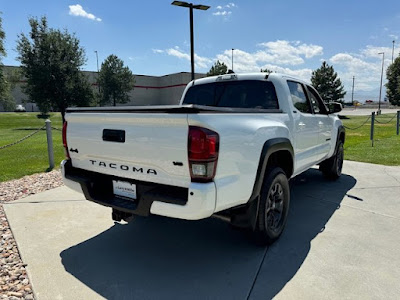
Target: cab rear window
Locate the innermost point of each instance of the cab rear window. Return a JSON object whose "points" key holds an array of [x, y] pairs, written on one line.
{"points": [[236, 94]]}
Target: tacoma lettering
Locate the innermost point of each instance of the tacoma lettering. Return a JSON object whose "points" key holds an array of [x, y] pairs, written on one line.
{"points": [[122, 167]]}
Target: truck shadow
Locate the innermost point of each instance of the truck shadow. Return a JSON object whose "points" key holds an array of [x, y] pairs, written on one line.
{"points": [[161, 258]]}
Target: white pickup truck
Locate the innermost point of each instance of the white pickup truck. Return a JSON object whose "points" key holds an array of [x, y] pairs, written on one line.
{"points": [[228, 150]]}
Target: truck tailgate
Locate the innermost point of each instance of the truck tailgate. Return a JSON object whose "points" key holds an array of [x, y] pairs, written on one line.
{"points": [[148, 147]]}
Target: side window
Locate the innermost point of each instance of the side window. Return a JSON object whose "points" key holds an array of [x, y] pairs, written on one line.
{"points": [[316, 101], [299, 97]]}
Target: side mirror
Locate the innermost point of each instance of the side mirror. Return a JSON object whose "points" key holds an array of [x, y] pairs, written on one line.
{"points": [[335, 107]]}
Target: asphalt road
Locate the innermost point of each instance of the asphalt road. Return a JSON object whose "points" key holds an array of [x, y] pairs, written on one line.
{"points": [[341, 241]]}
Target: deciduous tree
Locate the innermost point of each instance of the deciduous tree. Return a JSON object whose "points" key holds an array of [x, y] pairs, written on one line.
{"points": [[6, 100], [51, 60], [327, 83]]}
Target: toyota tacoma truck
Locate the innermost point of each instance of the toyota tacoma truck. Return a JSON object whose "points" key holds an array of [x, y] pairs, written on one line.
{"points": [[227, 150]]}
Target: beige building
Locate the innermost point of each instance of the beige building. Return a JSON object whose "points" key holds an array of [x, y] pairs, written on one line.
{"points": [[148, 90]]}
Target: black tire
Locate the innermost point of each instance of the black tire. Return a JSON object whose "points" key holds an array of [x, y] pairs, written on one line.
{"points": [[274, 207], [332, 167]]}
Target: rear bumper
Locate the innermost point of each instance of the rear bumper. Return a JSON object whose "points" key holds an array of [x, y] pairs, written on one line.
{"points": [[193, 203]]}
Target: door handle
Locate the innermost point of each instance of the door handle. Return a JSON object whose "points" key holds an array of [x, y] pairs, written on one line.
{"points": [[302, 124], [320, 123]]}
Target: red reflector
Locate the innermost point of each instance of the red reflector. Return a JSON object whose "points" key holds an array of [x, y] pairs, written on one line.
{"points": [[64, 139]]}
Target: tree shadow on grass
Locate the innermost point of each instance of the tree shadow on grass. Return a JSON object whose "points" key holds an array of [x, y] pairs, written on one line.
{"points": [[161, 258]]}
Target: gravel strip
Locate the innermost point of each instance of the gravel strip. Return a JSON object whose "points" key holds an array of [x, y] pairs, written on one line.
{"points": [[14, 281], [29, 185]]}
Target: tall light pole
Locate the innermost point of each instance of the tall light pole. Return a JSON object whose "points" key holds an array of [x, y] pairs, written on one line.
{"points": [[392, 51], [380, 90], [97, 60], [352, 93], [232, 58], [191, 6]]}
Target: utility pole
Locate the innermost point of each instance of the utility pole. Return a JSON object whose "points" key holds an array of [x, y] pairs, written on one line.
{"points": [[97, 60], [380, 90], [232, 58], [392, 51], [352, 93]]}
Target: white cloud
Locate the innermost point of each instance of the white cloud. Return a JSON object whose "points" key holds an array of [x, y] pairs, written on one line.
{"points": [[393, 36], [288, 53], [366, 66], [253, 62], [373, 52], [274, 56], [225, 10], [290, 57], [200, 62], [77, 10], [222, 13]]}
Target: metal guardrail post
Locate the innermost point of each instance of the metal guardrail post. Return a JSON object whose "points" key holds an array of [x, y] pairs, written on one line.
{"points": [[398, 122], [372, 127], [49, 144]]}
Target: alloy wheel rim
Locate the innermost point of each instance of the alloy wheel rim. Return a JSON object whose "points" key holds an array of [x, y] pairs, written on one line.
{"points": [[274, 209]]}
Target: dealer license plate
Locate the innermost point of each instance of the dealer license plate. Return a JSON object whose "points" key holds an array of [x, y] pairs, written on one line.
{"points": [[124, 189]]}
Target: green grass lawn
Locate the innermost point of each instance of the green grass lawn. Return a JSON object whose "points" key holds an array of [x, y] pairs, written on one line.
{"points": [[386, 150], [29, 156]]}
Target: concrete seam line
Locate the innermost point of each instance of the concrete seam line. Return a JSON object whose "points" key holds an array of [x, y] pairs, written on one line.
{"points": [[41, 202], [258, 272], [377, 187], [371, 212], [384, 170]]}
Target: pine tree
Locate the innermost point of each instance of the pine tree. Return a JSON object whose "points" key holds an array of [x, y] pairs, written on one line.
{"points": [[219, 68], [393, 84], [327, 83], [266, 71]]}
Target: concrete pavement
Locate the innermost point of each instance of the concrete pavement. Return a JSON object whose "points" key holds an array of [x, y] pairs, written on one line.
{"points": [[351, 111], [341, 241]]}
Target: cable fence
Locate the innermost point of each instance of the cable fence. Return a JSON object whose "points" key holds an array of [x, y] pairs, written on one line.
{"points": [[380, 122], [24, 154], [22, 139], [374, 118], [358, 127]]}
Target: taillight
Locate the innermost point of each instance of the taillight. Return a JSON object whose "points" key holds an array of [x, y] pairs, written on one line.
{"points": [[64, 138], [203, 146]]}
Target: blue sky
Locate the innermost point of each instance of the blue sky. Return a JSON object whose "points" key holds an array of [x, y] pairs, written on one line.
{"points": [[294, 37]]}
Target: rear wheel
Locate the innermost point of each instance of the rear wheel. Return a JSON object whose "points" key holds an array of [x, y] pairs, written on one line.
{"points": [[332, 167], [274, 207]]}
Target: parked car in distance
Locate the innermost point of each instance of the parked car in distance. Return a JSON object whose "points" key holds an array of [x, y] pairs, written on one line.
{"points": [[20, 108], [369, 101]]}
